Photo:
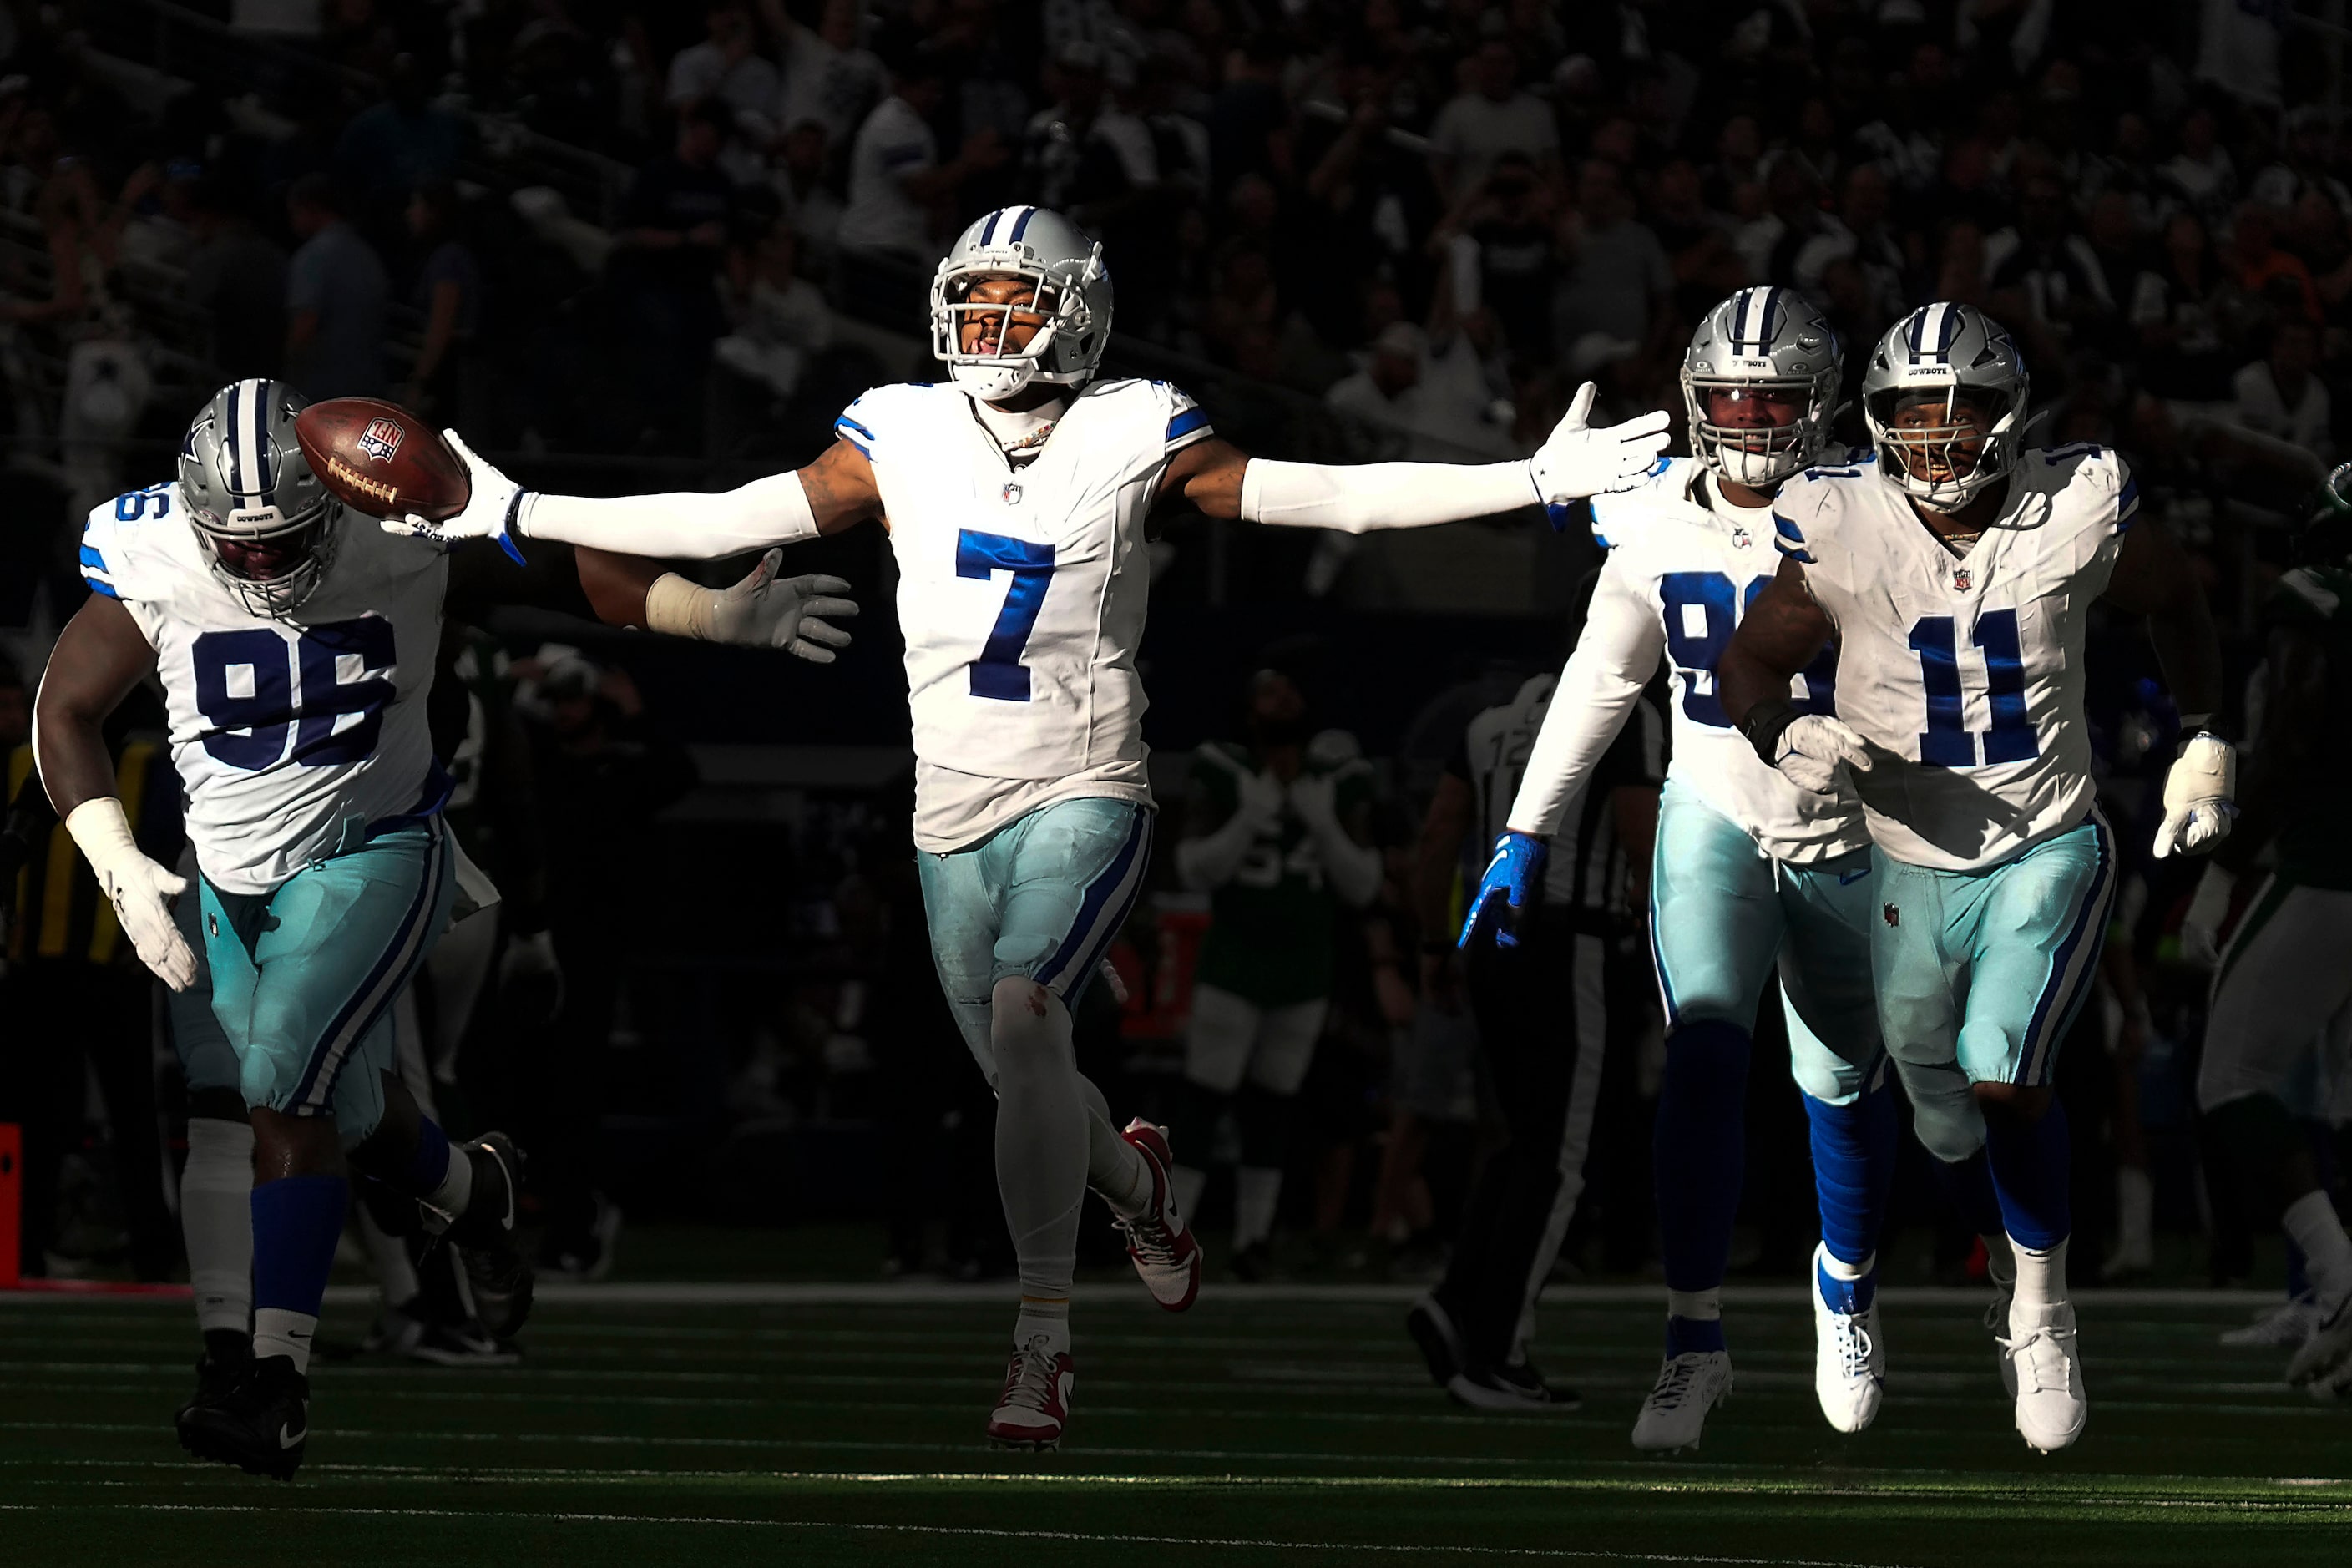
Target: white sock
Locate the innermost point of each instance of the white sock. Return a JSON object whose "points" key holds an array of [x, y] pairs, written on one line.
{"points": [[395, 1276], [2041, 1278], [277, 1332], [217, 1222], [1042, 1141], [1115, 1167], [1050, 1318], [2135, 1209], [2000, 1260], [1257, 1189], [1699, 1306], [1190, 1183], [2311, 1222], [457, 1188]]}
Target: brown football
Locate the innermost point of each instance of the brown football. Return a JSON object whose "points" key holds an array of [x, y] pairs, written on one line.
{"points": [[379, 459]]}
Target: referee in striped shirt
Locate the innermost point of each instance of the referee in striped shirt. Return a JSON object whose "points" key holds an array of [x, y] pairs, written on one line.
{"points": [[1544, 1011]]}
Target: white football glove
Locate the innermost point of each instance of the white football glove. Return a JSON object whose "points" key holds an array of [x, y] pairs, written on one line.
{"points": [[141, 890], [2208, 912], [1316, 799], [487, 508], [1809, 749], [760, 611], [2198, 804], [1577, 462]]}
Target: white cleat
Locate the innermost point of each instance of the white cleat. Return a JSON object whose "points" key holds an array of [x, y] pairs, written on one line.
{"points": [[2282, 1327], [2322, 1359], [2047, 1364], [1849, 1360], [1036, 1404], [1688, 1386], [1160, 1245]]}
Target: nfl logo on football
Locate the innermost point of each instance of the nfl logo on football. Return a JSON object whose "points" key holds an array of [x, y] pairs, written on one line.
{"points": [[381, 439]]}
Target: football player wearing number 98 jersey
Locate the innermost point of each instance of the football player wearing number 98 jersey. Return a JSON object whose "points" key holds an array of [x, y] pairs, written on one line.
{"points": [[1955, 574], [1016, 496], [1754, 876], [295, 649]]}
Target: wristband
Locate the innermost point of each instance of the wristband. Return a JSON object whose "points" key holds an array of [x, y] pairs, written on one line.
{"points": [[678, 607], [1764, 724]]}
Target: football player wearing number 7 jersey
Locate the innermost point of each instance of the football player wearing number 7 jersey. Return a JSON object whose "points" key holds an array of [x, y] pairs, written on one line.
{"points": [[1955, 574], [1016, 496], [296, 648], [1753, 875]]}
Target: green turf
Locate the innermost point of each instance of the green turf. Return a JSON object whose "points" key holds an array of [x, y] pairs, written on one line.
{"points": [[1288, 1432]]}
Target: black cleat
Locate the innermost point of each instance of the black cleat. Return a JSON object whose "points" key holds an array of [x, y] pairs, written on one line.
{"points": [[261, 1426], [1519, 1387], [228, 1356], [486, 1238], [459, 1345]]}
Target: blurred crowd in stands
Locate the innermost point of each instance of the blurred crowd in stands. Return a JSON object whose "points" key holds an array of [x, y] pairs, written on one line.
{"points": [[682, 237]]}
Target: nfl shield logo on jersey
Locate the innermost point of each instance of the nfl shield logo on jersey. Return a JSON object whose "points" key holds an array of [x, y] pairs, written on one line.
{"points": [[1960, 579], [1012, 493], [381, 439]]}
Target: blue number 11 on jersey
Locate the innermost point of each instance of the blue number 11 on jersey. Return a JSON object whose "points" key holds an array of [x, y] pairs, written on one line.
{"points": [[1947, 743]]}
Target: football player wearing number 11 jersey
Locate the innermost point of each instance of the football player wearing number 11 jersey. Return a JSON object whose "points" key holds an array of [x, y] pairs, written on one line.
{"points": [[1016, 496], [1955, 574]]}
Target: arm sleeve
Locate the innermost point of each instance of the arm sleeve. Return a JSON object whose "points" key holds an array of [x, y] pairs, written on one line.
{"points": [[1612, 661], [684, 525], [1359, 498]]}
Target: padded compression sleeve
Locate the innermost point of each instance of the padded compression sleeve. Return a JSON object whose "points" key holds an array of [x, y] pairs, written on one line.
{"points": [[1615, 656], [1358, 498], [683, 525]]}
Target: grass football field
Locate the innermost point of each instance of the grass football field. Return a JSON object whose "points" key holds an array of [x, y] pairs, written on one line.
{"points": [[813, 1424]]}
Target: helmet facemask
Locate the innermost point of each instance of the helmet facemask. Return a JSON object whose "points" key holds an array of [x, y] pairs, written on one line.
{"points": [[1758, 456], [270, 563], [1061, 350], [1969, 443]]}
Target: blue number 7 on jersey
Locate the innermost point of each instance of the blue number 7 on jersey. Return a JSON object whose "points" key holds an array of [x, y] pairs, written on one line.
{"points": [[998, 672]]}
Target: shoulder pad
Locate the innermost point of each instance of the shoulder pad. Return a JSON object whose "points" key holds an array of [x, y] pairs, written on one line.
{"points": [[109, 538], [2091, 475], [869, 418], [1617, 514]]}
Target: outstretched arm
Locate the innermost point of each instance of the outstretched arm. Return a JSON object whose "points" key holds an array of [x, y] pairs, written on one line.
{"points": [[1356, 498], [1615, 656], [835, 492], [1780, 634], [2154, 577], [101, 655]]}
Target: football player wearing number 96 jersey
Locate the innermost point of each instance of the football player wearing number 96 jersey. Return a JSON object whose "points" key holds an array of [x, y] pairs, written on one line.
{"points": [[1955, 574], [295, 649], [1754, 876], [1016, 496]]}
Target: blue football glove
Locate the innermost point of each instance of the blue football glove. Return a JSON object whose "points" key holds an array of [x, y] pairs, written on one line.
{"points": [[1502, 896]]}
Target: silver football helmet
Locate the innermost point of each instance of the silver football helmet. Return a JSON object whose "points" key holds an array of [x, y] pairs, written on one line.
{"points": [[1946, 354], [1073, 286], [1758, 340], [266, 526]]}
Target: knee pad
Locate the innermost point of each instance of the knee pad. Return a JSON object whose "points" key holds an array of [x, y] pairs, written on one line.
{"points": [[1951, 1132]]}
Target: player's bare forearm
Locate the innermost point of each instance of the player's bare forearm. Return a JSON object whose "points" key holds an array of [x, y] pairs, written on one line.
{"points": [[616, 584], [2155, 577], [1781, 632], [101, 655], [1438, 852]]}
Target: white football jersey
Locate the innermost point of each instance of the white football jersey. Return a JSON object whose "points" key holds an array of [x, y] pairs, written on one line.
{"points": [[1021, 594], [1683, 565], [291, 737], [1964, 673]]}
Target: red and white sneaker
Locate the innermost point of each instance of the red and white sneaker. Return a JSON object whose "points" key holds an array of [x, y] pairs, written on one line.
{"points": [[1036, 1399], [1158, 1240]]}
